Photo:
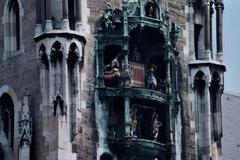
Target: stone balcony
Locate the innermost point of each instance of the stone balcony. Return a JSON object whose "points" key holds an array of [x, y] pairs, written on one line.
{"points": [[140, 149]]}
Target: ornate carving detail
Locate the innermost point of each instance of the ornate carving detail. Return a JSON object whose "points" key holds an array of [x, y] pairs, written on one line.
{"points": [[155, 126], [25, 123], [132, 26], [134, 121], [111, 18], [191, 2], [58, 104], [219, 4], [174, 34], [133, 9]]}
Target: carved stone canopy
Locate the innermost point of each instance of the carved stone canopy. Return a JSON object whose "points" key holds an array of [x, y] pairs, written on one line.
{"points": [[59, 104], [25, 123]]}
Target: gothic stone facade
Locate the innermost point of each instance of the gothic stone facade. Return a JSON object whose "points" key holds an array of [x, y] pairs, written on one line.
{"points": [[110, 79]]}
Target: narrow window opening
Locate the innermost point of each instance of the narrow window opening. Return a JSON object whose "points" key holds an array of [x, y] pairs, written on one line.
{"points": [[7, 117], [197, 30], [71, 14], [13, 28]]}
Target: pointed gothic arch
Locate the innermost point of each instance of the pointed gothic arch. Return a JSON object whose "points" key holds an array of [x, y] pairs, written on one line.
{"points": [[43, 55], [152, 9], [215, 90], [12, 27], [8, 110], [56, 52], [73, 55]]}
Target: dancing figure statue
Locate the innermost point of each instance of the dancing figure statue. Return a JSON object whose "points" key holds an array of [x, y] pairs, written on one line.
{"points": [[155, 126]]}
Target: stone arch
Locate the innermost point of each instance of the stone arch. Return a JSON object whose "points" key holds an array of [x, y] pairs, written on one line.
{"points": [[152, 9], [9, 91], [12, 21], [215, 103], [9, 95], [73, 49], [106, 156], [56, 52], [43, 55], [199, 80]]}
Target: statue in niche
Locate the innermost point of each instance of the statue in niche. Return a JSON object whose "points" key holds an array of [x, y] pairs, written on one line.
{"points": [[112, 70], [113, 123], [150, 10], [58, 103], [134, 120], [107, 16], [136, 56], [111, 18], [151, 79], [155, 126], [174, 34]]}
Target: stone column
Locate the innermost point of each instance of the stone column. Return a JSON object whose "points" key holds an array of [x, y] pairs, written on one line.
{"points": [[169, 115], [65, 14], [48, 21], [127, 116], [211, 28], [191, 31], [219, 25], [207, 23], [125, 46], [38, 28], [78, 15], [100, 66]]}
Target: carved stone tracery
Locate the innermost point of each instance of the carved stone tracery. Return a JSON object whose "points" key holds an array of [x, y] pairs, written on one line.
{"points": [[25, 123], [59, 107]]}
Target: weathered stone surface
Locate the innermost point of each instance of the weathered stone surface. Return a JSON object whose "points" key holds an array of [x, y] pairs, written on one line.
{"points": [[22, 73]]}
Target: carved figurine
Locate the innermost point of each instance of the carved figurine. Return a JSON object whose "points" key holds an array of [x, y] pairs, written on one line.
{"points": [[113, 121], [136, 56], [174, 34], [155, 126], [151, 79], [107, 16], [112, 69], [134, 121]]}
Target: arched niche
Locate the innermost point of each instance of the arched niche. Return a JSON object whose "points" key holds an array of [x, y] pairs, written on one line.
{"points": [[56, 54], [106, 156], [113, 68], [151, 9], [200, 82], [199, 99], [73, 55], [43, 55], [215, 103], [199, 30], [8, 110]]}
